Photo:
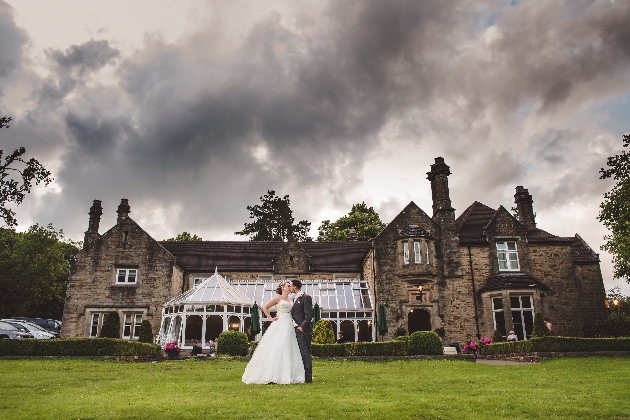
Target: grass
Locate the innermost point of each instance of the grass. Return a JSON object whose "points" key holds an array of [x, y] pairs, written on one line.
{"points": [[587, 388]]}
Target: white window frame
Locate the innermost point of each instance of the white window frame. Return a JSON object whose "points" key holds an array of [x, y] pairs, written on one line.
{"points": [[131, 326], [417, 252], [405, 252], [427, 251], [126, 274], [510, 261], [522, 310], [198, 280], [99, 317], [496, 311]]}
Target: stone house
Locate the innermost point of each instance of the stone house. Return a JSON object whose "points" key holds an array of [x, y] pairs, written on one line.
{"points": [[481, 271]]}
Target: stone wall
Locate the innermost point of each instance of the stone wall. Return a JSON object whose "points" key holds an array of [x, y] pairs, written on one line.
{"points": [[92, 284], [592, 294]]}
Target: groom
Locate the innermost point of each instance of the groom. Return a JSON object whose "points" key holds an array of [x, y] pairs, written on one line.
{"points": [[302, 314]]}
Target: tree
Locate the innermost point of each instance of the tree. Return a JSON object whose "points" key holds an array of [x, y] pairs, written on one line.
{"points": [[34, 269], [615, 211], [323, 332], [12, 191], [364, 219], [539, 329], [185, 237], [146, 332], [111, 325], [274, 220]]}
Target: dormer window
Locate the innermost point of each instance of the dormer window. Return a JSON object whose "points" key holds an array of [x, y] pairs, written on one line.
{"points": [[507, 254]]}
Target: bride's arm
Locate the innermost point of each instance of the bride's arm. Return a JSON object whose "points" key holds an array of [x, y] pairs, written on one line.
{"points": [[268, 305]]}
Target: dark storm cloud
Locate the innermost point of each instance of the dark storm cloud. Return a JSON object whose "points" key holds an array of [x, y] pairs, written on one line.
{"points": [[12, 40]]}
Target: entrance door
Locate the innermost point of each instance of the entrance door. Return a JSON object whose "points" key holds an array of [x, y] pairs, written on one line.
{"points": [[418, 320]]}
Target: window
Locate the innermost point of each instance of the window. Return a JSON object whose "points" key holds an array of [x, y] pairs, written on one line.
{"points": [[498, 315], [131, 324], [427, 251], [416, 252], [405, 252], [198, 281], [126, 275], [94, 327], [522, 316], [507, 255]]}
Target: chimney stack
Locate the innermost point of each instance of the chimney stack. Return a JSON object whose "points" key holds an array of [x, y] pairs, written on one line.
{"points": [[525, 206], [444, 215], [95, 218], [352, 235], [123, 210]]}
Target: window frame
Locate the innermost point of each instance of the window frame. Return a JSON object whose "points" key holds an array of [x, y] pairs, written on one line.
{"points": [[496, 311], [522, 310], [508, 253], [127, 271], [99, 320], [406, 253], [417, 251]]}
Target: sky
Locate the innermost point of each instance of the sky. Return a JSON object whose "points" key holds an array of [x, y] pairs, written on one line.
{"points": [[192, 110]]}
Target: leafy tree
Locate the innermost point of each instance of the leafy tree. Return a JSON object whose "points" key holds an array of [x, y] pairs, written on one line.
{"points": [[34, 271], [185, 237], [12, 191], [111, 325], [274, 220], [146, 332], [539, 329], [364, 219], [615, 211]]}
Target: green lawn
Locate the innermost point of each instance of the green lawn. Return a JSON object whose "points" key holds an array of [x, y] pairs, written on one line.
{"points": [[586, 388]]}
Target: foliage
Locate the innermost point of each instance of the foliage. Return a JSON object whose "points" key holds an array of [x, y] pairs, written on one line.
{"points": [[360, 348], [34, 271], [252, 346], [146, 332], [328, 350], [274, 220], [185, 237], [323, 332], [14, 191], [364, 219], [497, 337], [539, 328], [111, 325], [78, 347], [400, 331], [615, 211], [64, 388], [440, 331], [172, 347], [232, 343], [559, 344], [618, 313], [424, 342]]}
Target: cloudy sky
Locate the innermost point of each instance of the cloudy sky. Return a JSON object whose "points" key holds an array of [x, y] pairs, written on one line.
{"points": [[194, 109]]}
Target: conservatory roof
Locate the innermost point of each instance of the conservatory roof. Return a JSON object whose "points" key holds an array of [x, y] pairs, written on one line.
{"points": [[213, 290]]}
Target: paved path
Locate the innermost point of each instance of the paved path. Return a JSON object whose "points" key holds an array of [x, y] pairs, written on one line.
{"points": [[502, 362]]}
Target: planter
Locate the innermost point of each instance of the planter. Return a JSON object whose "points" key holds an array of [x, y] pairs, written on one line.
{"points": [[172, 355]]}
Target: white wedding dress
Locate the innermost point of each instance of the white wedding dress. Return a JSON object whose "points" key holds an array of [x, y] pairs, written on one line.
{"points": [[277, 357]]}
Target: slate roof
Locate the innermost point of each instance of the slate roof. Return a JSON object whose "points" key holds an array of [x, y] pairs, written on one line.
{"points": [[471, 223], [511, 281], [204, 256], [582, 253]]}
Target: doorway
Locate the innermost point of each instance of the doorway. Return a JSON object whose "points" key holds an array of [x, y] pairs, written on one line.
{"points": [[418, 320]]}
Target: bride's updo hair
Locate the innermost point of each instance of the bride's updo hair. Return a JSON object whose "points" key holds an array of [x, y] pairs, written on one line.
{"points": [[280, 286]]}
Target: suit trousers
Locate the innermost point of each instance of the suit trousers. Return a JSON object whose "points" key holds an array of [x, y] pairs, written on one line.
{"points": [[304, 342]]}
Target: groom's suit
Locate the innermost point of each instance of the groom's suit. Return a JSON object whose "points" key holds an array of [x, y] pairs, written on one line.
{"points": [[302, 314]]}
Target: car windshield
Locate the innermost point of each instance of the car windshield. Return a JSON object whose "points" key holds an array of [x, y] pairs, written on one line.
{"points": [[7, 326]]}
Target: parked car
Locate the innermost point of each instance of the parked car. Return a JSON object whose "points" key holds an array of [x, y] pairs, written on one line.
{"points": [[9, 334], [38, 332], [50, 325], [21, 331]]}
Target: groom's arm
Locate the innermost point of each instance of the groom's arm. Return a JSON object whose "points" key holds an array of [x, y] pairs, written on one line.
{"points": [[308, 312]]}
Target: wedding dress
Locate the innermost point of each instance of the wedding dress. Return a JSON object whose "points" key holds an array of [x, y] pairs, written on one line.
{"points": [[277, 357]]}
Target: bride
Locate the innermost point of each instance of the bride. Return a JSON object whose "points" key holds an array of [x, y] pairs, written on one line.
{"points": [[277, 357]]}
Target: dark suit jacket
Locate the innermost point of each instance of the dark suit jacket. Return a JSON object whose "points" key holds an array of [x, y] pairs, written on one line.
{"points": [[302, 312]]}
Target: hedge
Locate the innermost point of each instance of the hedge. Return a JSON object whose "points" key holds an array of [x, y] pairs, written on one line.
{"points": [[361, 348], [78, 347], [424, 342], [559, 344], [232, 343]]}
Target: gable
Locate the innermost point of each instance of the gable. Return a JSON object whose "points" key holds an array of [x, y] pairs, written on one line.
{"points": [[503, 224], [410, 221]]}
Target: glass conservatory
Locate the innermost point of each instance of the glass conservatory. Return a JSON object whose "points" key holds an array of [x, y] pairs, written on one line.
{"points": [[199, 315]]}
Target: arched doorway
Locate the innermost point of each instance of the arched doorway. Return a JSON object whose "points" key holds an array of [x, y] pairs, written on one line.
{"points": [[214, 327], [418, 320]]}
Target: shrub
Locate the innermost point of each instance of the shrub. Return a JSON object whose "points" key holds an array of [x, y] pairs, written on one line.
{"points": [[559, 344], [111, 325], [328, 350], [232, 343], [146, 332], [381, 348], [400, 331], [323, 332], [497, 337], [404, 338], [440, 331], [539, 329], [78, 347], [424, 342], [252, 346]]}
